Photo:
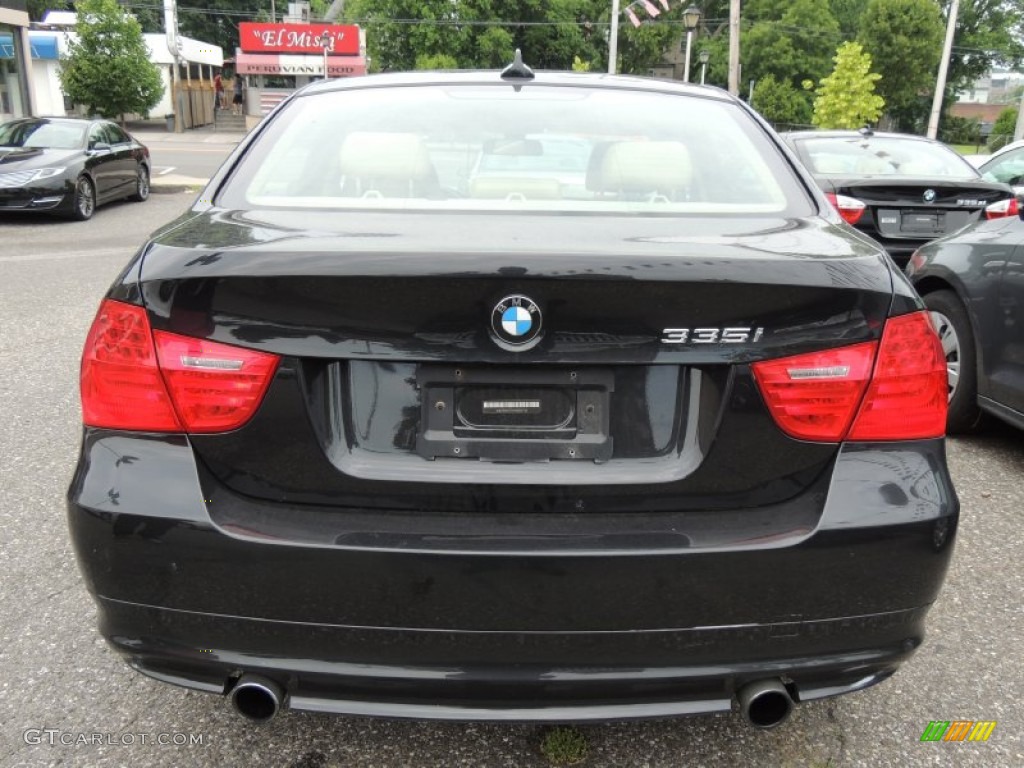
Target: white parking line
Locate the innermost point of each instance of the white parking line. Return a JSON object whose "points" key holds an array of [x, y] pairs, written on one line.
{"points": [[165, 170]]}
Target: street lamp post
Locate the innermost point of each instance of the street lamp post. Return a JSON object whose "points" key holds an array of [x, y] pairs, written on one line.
{"points": [[691, 16], [703, 57], [327, 43]]}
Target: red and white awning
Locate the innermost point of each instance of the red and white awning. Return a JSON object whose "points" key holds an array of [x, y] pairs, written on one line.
{"points": [[310, 65]]}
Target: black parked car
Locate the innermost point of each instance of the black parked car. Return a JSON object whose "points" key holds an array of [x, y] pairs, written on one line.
{"points": [[973, 284], [363, 436], [69, 166], [901, 190]]}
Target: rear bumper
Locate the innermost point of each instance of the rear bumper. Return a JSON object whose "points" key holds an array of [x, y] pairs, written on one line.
{"points": [[515, 624], [556, 676]]}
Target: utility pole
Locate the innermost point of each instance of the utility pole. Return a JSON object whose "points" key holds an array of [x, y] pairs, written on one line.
{"points": [[613, 38], [173, 47], [734, 47], [940, 84], [1018, 130], [336, 9]]}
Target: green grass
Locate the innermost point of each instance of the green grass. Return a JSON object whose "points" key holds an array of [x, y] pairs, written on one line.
{"points": [[564, 745], [970, 149]]}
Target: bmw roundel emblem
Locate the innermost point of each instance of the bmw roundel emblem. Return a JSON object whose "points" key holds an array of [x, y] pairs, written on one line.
{"points": [[516, 320], [929, 195]]}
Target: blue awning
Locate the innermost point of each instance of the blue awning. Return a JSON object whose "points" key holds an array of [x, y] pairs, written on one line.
{"points": [[42, 46]]}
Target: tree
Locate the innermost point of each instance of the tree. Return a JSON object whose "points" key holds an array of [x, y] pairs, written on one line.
{"points": [[904, 39], [108, 68], [37, 9], [1002, 130], [849, 14], [791, 41], [485, 33], [215, 21], [989, 34], [847, 98], [780, 103]]}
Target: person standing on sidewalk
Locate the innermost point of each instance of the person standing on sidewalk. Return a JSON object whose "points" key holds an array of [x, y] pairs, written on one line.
{"points": [[218, 92], [236, 100]]}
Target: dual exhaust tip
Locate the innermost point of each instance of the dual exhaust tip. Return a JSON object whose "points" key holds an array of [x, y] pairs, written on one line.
{"points": [[764, 703]]}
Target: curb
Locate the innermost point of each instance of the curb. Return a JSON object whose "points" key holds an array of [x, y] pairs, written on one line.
{"points": [[170, 189], [176, 183]]}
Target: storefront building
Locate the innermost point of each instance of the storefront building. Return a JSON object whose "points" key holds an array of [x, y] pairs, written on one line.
{"points": [[275, 59], [15, 64]]}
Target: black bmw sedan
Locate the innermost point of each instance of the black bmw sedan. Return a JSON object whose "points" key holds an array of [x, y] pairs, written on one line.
{"points": [[367, 432], [901, 190], [69, 166]]}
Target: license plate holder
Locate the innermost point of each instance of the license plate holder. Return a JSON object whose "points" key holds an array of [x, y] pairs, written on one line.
{"points": [[514, 414], [927, 223]]}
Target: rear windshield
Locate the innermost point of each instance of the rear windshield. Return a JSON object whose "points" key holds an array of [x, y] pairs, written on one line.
{"points": [[881, 156], [549, 148]]}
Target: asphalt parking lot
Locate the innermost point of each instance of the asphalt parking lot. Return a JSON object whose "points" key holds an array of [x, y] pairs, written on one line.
{"points": [[66, 700]]}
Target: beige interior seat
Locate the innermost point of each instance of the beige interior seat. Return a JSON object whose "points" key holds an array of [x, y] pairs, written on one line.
{"points": [[830, 164], [641, 170], [386, 165]]}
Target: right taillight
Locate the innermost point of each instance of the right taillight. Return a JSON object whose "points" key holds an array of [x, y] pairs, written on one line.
{"points": [[1002, 209], [895, 389], [135, 379], [850, 208], [909, 391]]}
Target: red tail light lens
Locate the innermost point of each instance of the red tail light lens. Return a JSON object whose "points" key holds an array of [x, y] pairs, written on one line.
{"points": [[850, 208], [215, 387], [901, 395], [136, 379], [121, 384], [908, 396], [815, 396], [1002, 209]]}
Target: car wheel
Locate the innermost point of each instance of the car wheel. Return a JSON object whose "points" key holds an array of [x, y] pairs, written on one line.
{"points": [[954, 328], [141, 193], [85, 199]]}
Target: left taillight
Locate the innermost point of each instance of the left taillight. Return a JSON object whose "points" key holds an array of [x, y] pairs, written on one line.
{"points": [[850, 208], [135, 379], [1002, 209]]}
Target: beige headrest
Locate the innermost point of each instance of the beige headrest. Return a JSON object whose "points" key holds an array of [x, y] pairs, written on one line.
{"points": [[385, 156], [641, 166]]}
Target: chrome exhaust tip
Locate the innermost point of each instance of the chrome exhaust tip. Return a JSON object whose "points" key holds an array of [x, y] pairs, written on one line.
{"points": [[256, 698], [765, 703]]}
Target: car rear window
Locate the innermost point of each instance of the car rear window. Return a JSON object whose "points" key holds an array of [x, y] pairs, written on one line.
{"points": [[535, 147], [882, 156]]}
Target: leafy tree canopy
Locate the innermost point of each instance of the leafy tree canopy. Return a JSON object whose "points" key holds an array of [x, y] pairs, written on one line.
{"points": [[485, 33], [780, 103], [904, 38], [847, 98], [1002, 129], [108, 68]]}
